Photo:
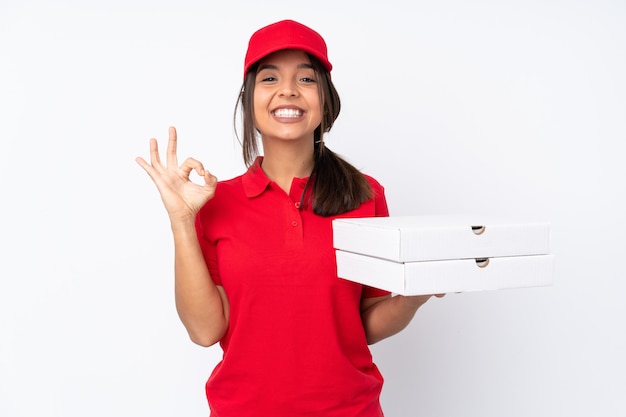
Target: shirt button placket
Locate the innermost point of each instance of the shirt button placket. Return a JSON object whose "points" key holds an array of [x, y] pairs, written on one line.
{"points": [[295, 220]]}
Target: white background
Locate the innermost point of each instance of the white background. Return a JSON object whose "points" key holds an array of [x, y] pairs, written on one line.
{"points": [[513, 108]]}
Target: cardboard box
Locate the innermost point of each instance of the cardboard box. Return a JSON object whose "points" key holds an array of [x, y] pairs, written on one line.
{"points": [[438, 277], [430, 238], [413, 255]]}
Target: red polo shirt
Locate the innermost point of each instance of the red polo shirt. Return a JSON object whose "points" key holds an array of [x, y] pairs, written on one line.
{"points": [[295, 344]]}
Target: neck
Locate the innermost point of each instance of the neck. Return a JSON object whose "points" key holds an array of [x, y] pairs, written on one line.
{"points": [[283, 163]]}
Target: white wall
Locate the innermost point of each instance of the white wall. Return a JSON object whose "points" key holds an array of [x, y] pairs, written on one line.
{"points": [[506, 107]]}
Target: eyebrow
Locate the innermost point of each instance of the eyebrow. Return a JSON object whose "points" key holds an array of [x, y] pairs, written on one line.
{"points": [[275, 67]]}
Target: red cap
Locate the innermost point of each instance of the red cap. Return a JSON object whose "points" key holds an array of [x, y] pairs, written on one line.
{"points": [[286, 34]]}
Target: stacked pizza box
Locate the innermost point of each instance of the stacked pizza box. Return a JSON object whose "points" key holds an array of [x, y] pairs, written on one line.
{"points": [[434, 254]]}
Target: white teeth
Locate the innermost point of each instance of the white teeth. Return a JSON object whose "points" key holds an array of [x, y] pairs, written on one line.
{"points": [[287, 113]]}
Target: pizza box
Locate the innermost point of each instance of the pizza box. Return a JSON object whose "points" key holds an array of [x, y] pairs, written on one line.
{"points": [[416, 255], [440, 237], [446, 276]]}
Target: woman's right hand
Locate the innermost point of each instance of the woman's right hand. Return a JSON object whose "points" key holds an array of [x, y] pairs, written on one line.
{"points": [[182, 197]]}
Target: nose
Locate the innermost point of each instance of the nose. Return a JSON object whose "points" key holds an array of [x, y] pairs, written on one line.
{"points": [[288, 88]]}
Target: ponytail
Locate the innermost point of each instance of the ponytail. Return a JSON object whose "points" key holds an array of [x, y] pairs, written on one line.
{"points": [[338, 186]]}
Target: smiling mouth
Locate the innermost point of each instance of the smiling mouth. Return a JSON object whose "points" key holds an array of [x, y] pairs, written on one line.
{"points": [[287, 113]]}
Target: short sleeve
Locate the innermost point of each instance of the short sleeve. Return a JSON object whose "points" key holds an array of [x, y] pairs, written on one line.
{"points": [[209, 250], [370, 292], [381, 210]]}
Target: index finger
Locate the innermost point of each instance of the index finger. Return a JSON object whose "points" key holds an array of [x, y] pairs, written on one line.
{"points": [[172, 159]]}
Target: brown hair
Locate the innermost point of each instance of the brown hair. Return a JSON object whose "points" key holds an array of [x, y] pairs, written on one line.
{"points": [[337, 186]]}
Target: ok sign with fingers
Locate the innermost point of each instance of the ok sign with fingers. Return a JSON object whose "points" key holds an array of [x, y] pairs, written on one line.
{"points": [[182, 197]]}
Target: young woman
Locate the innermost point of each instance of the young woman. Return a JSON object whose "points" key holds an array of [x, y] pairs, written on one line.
{"points": [[254, 262]]}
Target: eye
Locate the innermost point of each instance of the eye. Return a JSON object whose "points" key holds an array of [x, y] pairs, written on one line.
{"points": [[308, 80], [266, 75]]}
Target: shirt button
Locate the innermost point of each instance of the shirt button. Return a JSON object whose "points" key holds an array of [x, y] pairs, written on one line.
{"points": [[294, 223], [297, 205]]}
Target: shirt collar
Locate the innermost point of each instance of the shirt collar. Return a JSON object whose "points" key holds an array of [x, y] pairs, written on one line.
{"points": [[254, 180]]}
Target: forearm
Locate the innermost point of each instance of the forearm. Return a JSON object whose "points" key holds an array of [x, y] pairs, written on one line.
{"points": [[390, 316], [200, 306]]}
